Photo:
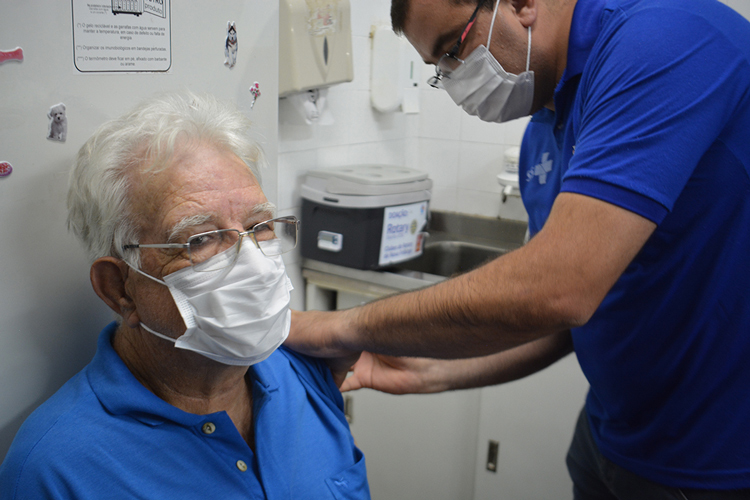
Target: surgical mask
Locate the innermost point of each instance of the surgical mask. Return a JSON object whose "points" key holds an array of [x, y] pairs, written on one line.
{"points": [[483, 88], [237, 315]]}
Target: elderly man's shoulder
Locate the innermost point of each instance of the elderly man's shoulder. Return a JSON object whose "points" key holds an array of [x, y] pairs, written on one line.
{"points": [[312, 372], [54, 436]]}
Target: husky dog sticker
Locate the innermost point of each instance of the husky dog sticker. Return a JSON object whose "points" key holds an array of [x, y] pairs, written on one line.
{"points": [[230, 47]]}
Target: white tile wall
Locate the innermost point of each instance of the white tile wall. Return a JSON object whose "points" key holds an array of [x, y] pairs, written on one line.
{"points": [[475, 130], [439, 117], [479, 164], [440, 158]]}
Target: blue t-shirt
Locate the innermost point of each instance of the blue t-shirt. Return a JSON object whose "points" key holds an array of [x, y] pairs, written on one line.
{"points": [[104, 435], [653, 115]]}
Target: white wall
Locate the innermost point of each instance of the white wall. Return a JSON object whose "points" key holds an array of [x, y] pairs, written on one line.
{"points": [[741, 6], [463, 155]]}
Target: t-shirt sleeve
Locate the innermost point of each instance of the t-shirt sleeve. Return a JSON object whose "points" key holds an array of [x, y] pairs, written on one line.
{"points": [[653, 98]]}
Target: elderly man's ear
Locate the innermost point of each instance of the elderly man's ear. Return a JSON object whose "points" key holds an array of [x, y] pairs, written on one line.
{"points": [[108, 277]]}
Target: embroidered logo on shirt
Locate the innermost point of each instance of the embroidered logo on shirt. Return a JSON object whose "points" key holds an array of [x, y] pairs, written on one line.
{"points": [[540, 170]]}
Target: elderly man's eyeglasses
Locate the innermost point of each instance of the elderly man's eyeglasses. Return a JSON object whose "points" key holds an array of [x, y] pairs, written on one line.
{"points": [[273, 237], [448, 62]]}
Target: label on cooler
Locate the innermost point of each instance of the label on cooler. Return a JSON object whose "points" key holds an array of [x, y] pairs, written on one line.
{"points": [[402, 233]]}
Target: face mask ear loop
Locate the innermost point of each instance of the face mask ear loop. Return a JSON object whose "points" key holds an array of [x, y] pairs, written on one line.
{"points": [[144, 274], [161, 336], [492, 24], [528, 51]]}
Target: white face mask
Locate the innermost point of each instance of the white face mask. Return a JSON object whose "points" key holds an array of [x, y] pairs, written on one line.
{"points": [[237, 315], [482, 87]]}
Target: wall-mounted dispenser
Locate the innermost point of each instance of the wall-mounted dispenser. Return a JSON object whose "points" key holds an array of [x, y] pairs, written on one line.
{"points": [[315, 45], [387, 80]]}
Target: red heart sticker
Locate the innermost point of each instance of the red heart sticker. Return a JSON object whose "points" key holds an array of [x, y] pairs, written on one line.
{"points": [[5, 169]]}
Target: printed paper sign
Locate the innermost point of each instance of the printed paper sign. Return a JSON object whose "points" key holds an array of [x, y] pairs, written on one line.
{"points": [[122, 35], [402, 233]]}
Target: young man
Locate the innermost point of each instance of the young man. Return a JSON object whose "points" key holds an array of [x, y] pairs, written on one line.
{"points": [[638, 252]]}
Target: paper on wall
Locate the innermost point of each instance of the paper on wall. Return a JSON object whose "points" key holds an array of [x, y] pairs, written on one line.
{"points": [[122, 35]]}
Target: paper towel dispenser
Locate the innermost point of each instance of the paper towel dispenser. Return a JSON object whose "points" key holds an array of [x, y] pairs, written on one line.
{"points": [[315, 44]]}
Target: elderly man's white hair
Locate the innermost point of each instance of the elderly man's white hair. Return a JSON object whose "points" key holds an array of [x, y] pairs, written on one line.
{"points": [[144, 140]]}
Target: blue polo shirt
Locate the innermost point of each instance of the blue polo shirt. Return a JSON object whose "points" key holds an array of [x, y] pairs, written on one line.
{"points": [[104, 435], [653, 115]]}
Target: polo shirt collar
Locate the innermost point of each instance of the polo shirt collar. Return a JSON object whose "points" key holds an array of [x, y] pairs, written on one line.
{"points": [[122, 394], [584, 30]]}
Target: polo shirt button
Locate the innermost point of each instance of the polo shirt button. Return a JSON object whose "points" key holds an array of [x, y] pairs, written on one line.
{"points": [[242, 466], [208, 428]]}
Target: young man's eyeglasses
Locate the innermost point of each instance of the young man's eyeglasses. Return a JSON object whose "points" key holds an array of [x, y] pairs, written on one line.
{"points": [[448, 62], [273, 237]]}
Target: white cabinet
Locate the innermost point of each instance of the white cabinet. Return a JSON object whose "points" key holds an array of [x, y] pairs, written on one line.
{"points": [[416, 446], [533, 420]]}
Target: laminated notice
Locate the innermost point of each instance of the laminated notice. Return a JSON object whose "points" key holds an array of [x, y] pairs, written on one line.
{"points": [[122, 36], [403, 233]]}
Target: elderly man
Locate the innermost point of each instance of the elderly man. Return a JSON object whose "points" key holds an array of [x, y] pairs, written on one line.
{"points": [[635, 173], [189, 394]]}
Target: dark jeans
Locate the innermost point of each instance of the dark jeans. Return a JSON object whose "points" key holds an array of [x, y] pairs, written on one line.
{"points": [[597, 478]]}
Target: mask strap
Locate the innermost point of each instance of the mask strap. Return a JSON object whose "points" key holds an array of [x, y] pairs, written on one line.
{"points": [[144, 274], [492, 24], [528, 51], [149, 330]]}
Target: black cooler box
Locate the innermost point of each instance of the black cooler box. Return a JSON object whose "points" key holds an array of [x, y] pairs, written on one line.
{"points": [[364, 216]]}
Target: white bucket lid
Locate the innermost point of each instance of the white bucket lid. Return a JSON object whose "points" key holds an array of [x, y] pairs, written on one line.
{"points": [[366, 186], [372, 174]]}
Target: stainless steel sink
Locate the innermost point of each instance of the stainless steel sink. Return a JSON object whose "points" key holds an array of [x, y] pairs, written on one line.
{"points": [[460, 243], [457, 243], [447, 258]]}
